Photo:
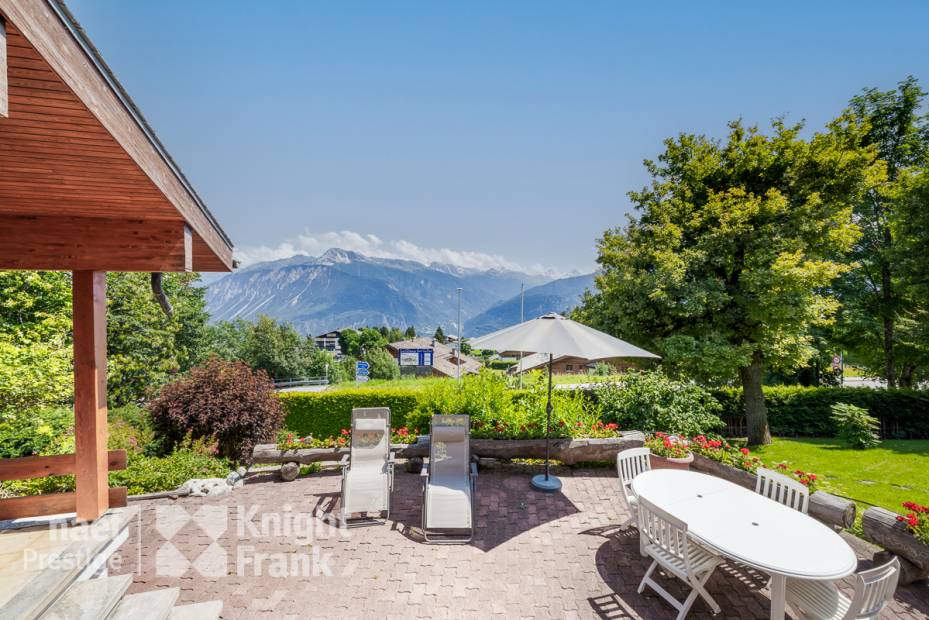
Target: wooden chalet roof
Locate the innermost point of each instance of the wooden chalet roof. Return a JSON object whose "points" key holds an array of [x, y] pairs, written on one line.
{"points": [[84, 181]]}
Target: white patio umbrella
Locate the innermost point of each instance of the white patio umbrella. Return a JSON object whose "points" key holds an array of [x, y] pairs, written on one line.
{"points": [[557, 336]]}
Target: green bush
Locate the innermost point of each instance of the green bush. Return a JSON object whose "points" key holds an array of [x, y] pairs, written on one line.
{"points": [[484, 397], [322, 414], [143, 474], [650, 402], [383, 365], [501, 413], [150, 474], [795, 411], [856, 428], [34, 431]]}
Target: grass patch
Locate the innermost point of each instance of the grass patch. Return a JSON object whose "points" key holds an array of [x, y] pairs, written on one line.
{"points": [[894, 472]]}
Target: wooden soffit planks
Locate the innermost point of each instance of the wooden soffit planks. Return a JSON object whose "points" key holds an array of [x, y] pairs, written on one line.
{"points": [[71, 147]]}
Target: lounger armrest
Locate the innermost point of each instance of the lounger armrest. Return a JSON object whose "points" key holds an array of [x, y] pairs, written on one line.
{"points": [[344, 463], [474, 470]]}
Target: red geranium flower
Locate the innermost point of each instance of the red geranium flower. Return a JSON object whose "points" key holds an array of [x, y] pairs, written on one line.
{"points": [[744, 450]]}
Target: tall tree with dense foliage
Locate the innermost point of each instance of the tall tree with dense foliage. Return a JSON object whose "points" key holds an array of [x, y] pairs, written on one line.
{"points": [[277, 348], [725, 268], [35, 339], [145, 346], [882, 321]]}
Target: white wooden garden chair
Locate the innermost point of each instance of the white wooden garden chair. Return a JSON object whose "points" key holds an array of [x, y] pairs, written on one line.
{"points": [[368, 469], [782, 489], [629, 464], [665, 540], [822, 600], [449, 482]]}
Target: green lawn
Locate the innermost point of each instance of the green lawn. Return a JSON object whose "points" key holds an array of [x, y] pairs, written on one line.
{"points": [[894, 472]]}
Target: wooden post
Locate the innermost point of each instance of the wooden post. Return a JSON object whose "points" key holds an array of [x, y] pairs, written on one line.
{"points": [[90, 428]]}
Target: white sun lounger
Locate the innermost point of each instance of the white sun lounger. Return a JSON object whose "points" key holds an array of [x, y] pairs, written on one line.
{"points": [[448, 482], [368, 470]]}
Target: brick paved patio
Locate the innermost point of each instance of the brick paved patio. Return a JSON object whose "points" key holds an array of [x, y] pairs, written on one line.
{"points": [[534, 555]]}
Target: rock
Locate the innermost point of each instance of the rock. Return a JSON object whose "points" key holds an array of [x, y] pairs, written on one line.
{"points": [[290, 471], [414, 465], [242, 471], [233, 478], [200, 487], [487, 463]]}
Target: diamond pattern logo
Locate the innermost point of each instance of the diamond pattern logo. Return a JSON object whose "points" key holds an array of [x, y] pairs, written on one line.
{"points": [[211, 520]]}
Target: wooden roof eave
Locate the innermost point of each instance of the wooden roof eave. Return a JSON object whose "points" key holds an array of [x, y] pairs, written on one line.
{"points": [[59, 39]]}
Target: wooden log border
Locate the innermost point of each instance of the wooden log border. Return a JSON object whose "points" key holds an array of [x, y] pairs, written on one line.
{"points": [[568, 451]]}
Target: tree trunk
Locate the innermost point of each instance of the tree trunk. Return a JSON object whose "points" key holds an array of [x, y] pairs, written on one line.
{"points": [[756, 413], [906, 375], [890, 372]]}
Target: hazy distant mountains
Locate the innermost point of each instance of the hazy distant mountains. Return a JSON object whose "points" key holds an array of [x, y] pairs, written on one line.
{"points": [[347, 289], [556, 296]]}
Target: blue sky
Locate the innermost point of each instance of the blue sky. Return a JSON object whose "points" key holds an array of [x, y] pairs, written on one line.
{"points": [[473, 132]]}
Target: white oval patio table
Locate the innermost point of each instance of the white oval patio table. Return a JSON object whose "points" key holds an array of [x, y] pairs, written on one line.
{"points": [[750, 528]]}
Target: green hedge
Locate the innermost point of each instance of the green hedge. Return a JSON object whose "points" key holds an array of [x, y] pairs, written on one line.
{"points": [[795, 411], [324, 414]]}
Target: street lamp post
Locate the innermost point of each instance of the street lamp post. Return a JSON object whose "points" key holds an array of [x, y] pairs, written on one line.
{"points": [[458, 357]]}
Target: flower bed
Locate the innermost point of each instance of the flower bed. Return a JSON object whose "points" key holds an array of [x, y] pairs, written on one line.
{"points": [[916, 520], [287, 440], [722, 451]]}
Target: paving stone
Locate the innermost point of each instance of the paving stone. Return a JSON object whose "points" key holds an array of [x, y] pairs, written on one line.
{"points": [[533, 555]]}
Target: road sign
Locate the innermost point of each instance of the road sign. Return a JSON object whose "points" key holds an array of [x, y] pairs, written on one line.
{"points": [[362, 365], [362, 372], [362, 378]]}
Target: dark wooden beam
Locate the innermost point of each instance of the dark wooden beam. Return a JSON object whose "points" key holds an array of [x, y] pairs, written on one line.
{"points": [[90, 424], [86, 243]]}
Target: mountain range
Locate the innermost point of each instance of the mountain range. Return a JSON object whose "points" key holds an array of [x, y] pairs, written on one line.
{"points": [[342, 289]]}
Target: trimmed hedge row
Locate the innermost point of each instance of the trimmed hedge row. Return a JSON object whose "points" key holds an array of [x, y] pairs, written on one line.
{"points": [[324, 414], [795, 411]]}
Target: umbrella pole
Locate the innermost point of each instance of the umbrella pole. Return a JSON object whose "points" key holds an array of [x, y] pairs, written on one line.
{"points": [[546, 482], [548, 412]]}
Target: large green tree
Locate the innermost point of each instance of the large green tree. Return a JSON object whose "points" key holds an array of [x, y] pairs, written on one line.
{"points": [[35, 339], [725, 266], [145, 347], [276, 348], [882, 319]]}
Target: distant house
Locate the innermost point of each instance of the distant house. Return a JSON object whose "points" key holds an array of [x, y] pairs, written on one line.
{"points": [[565, 365], [426, 356], [330, 342]]}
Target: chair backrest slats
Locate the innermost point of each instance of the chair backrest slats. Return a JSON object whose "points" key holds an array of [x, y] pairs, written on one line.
{"points": [[873, 590], [449, 449], [370, 437], [783, 490], [629, 464], [664, 530]]}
